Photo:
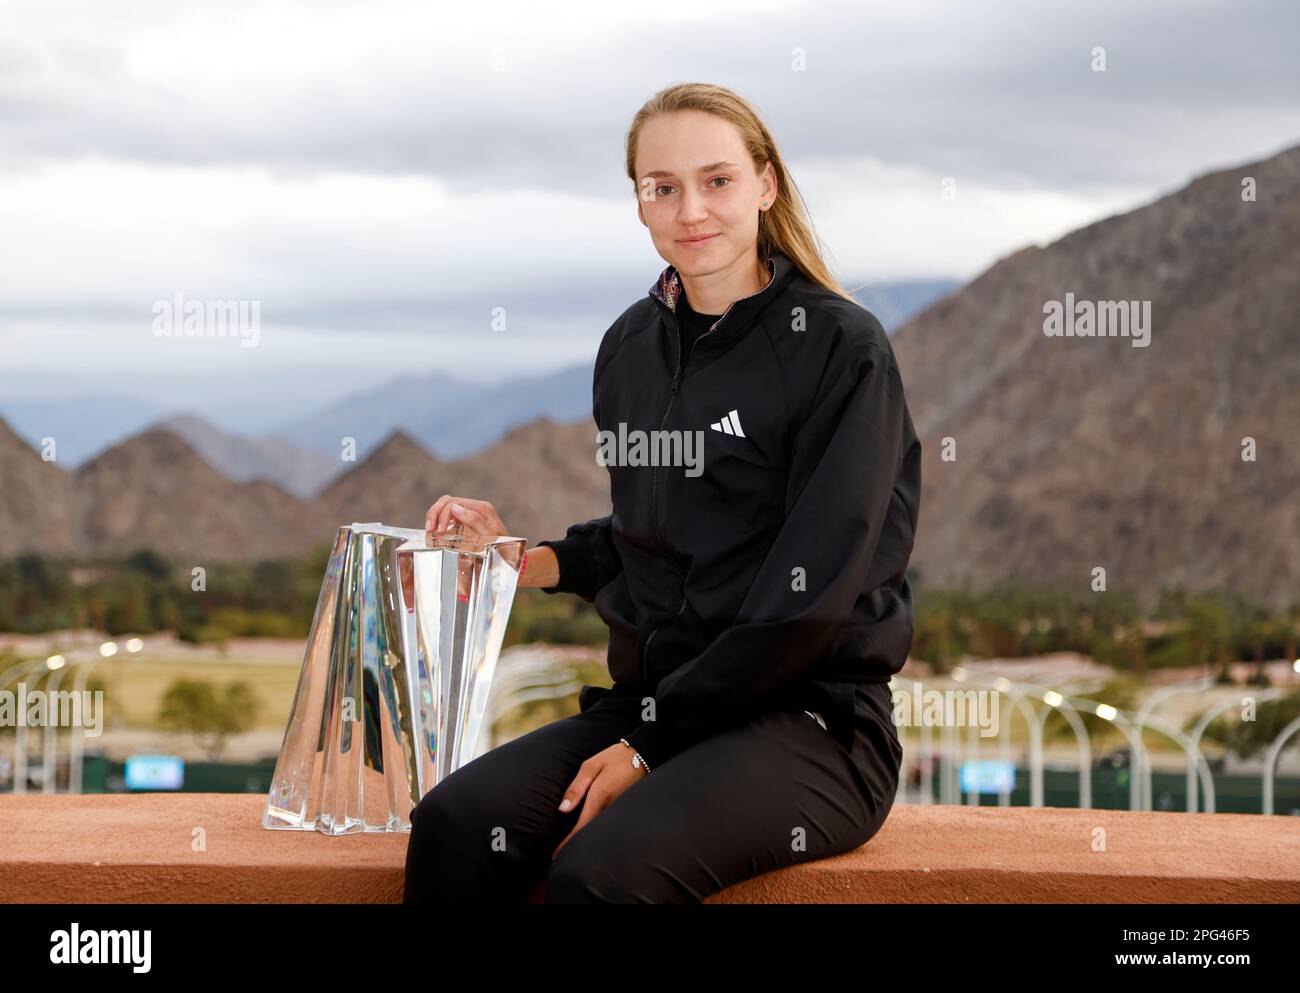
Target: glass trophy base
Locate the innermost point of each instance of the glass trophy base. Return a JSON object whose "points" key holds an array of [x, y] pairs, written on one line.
{"points": [[395, 677]]}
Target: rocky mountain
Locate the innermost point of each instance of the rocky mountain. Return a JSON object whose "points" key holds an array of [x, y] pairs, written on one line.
{"points": [[154, 490], [1079, 452], [243, 458], [896, 302], [392, 484], [450, 417], [35, 499], [84, 424], [1046, 456], [545, 475], [454, 419], [541, 477]]}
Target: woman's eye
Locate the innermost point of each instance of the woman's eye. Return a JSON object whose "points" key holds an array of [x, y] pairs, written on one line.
{"points": [[658, 190], [725, 179]]}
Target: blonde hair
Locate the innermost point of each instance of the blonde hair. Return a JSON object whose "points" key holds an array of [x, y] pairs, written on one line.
{"points": [[785, 225]]}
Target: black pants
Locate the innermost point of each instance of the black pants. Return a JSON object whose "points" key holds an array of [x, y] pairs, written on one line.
{"points": [[771, 792]]}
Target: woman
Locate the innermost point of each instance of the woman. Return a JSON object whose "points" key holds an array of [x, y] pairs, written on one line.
{"points": [[751, 573]]}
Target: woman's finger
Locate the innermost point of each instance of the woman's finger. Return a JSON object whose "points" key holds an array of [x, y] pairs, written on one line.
{"points": [[592, 806], [578, 788], [432, 516], [446, 518], [472, 519]]}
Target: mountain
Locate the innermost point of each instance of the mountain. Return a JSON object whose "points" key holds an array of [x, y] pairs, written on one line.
{"points": [[545, 477], [1082, 452], [35, 499], [154, 491], [540, 477], [895, 303], [1045, 456], [453, 418], [392, 484], [450, 417], [81, 425], [244, 459]]}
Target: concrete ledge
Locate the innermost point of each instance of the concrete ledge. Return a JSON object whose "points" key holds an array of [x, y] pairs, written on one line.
{"points": [[138, 849]]}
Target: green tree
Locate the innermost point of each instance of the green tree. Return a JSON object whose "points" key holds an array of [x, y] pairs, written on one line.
{"points": [[148, 563], [1246, 738], [195, 707]]}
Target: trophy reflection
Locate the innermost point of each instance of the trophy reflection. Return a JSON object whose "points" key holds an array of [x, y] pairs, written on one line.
{"points": [[395, 677]]}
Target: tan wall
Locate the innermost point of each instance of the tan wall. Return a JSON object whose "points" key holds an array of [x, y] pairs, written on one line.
{"points": [[125, 848]]}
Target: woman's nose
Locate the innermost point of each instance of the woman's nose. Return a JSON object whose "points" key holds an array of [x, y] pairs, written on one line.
{"points": [[691, 210]]}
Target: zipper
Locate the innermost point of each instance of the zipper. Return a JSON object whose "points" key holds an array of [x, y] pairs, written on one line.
{"points": [[645, 649], [654, 516], [677, 380], [654, 506]]}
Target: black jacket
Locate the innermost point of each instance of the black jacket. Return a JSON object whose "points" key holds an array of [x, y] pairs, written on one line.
{"points": [[776, 575]]}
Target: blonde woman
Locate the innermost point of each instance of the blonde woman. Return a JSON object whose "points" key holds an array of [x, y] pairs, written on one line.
{"points": [[765, 482]]}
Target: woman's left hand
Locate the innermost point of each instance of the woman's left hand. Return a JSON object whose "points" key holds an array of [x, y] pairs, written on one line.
{"points": [[602, 779]]}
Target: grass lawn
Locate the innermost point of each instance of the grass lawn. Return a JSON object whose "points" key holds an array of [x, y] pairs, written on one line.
{"points": [[136, 685]]}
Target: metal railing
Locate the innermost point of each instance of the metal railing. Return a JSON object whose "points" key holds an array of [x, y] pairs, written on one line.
{"points": [[530, 673], [1034, 703]]}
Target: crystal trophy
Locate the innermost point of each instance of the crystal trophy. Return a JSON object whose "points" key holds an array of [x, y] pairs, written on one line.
{"points": [[395, 678]]}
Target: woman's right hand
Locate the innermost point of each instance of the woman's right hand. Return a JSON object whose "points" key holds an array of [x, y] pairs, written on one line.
{"points": [[479, 522], [478, 519]]}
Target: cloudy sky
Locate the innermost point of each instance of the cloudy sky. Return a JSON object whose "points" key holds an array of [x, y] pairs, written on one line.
{"points": [[379, 176]]}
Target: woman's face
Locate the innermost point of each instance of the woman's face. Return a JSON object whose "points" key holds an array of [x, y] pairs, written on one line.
{"points": [[698, 191]]}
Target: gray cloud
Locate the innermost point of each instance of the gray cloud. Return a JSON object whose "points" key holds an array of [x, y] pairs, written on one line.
{"points": [[1002, 93], [149, 148]]}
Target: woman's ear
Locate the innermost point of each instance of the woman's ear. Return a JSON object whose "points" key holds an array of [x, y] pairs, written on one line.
{"points": [[769, 173]]}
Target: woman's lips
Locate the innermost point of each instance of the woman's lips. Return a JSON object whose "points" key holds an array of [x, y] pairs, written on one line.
{"points": [[698, 242]]}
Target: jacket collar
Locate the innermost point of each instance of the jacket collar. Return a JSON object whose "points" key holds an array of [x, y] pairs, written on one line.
{"points": [[668, 287]]}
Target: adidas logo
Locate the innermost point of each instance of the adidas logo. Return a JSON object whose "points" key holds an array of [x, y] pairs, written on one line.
{"points": [[729, 424]]}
